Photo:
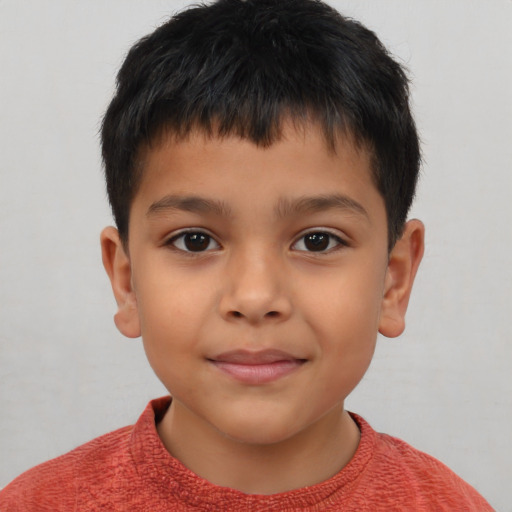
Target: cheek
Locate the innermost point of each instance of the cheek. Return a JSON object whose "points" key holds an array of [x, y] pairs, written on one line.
{"points": [[169, 336], [174, 314], [171, 303], [345, 316], [169, 324], [349, 303]]}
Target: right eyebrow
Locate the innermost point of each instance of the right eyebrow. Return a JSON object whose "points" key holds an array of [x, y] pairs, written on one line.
{"points": [[311, 204], [194, 204]]}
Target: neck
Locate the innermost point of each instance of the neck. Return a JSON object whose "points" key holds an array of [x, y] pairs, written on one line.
{"points": [[304, 459]]}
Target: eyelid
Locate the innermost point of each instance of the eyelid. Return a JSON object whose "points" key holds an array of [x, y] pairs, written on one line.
{"points": [[169, 241], [335, 234]]}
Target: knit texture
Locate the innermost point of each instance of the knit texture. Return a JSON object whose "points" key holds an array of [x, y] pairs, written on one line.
{"points": [[130, 470]]}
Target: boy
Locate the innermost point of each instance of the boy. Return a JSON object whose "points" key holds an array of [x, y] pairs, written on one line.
{"points": [[260, 159]]}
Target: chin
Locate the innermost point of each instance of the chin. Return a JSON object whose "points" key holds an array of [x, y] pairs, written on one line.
{"points": [[258, 433]]}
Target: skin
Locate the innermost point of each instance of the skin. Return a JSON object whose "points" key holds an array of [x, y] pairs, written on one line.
{"points": [[257, 285]]}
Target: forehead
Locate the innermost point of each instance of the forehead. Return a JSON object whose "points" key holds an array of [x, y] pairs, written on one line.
{"points": [[310, 131], [234, 171]]}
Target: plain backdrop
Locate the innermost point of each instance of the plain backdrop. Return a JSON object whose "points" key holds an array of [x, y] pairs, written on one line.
{"points": [[67, 375]]}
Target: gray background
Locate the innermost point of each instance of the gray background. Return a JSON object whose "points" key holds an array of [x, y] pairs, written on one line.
{"points": [[67, 375]]}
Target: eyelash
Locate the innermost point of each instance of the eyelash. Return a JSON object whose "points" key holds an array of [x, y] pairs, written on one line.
{"points": [[181, 236], [331, 238]]}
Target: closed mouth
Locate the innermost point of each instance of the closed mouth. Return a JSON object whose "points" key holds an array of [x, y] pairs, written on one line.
{"points": [[254, 368]]}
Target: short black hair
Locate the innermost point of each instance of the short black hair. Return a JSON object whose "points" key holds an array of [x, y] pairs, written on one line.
{"points": [[242, 67]]}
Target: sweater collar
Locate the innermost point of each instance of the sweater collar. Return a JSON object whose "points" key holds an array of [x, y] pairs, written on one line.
{"points": [[172, 480]]}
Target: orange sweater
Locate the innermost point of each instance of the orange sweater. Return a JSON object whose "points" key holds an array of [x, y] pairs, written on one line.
{"points": [[130, 470]]}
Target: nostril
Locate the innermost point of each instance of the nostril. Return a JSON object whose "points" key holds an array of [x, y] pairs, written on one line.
{"points": [[269, 314]]}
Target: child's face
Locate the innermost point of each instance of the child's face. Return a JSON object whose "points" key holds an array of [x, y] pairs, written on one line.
{"points": [[257, 277]]}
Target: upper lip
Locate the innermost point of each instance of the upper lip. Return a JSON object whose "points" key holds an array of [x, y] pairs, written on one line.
{"points": [[254, 357]]}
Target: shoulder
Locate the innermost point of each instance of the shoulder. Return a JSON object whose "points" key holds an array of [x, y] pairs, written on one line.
{"points": [[53, 485], [410, 476]]}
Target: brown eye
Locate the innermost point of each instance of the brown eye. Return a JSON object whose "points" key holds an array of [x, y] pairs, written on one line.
{"points": [[317, 241], [194, 241]]}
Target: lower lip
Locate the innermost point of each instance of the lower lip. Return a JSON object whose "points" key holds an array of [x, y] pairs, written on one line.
{"points": [[259, 373]]}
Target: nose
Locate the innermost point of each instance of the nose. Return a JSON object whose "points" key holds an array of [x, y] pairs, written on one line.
{"points": [[255, 289]]}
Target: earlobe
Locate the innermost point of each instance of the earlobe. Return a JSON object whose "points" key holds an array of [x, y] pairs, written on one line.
{"points": [[404, 261], [117, 266]]}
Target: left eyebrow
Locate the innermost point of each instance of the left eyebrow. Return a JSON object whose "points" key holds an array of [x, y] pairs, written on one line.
{"points": [[194, 204], [304, 205]]}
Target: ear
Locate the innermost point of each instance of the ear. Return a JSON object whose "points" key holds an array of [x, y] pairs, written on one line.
{"points": [[117, 265], [404, 261]]}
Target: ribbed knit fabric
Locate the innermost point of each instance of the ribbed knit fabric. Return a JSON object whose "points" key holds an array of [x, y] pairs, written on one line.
{"points": [[130, 470]]}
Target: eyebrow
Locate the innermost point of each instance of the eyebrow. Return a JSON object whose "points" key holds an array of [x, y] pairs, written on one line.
{"points": [[194, 204], [304, 205], [284, 208]]}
